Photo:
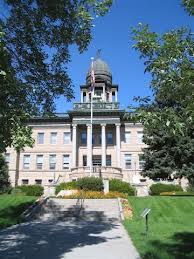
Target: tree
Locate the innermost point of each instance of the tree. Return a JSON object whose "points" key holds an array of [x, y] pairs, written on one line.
{"points": [[168, 117], [4, 177], [38, 37], [189, 6], [35, 37]]}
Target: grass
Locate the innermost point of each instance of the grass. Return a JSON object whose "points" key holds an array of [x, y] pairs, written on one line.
{"points": [[11, 207], [171, 227]]}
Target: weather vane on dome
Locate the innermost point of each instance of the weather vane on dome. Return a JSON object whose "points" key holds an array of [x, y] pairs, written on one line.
{"points": [[98, 53]]}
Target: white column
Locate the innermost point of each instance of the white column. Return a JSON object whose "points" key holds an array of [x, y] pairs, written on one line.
{"points": [[89, 155], [104, 93], [118, 144], [74, 145], [103, 140], [82, 97], [116, 96]]}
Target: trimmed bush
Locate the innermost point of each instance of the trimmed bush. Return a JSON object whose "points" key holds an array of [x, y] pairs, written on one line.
{"points": [[120, 186], [30, 190], [66, 186], [156, 189], [90, 184]]}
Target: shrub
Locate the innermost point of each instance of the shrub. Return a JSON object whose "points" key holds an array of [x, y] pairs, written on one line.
{"points": [[66, 186], [156, 189], [120, 186], [31, 190], [90, 184], [95, 195], [177, 193]]}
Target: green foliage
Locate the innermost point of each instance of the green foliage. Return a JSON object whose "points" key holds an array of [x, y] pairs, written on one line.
{"points": [[66, 186], [4, 176], [90, 184], [120, 186], [30, 190], [156, 189], [189, 6], [168, 117]]}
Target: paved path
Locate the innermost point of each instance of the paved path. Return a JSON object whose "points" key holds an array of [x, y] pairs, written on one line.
{"points": [[67, 239]]}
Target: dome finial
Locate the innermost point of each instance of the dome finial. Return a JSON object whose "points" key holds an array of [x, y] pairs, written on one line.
{"points": [[98, 53]]}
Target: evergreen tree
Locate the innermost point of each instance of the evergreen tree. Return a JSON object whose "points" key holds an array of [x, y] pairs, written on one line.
{"points": [[4, 177]]}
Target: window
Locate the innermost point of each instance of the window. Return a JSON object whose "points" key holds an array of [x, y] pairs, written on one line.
{"points": [[50, 180], [65, 161], [52, 162], [109, 138], [108, 160], [141, 161], [39, 161], [53, 139], [84, 97], [38, 181], [7, 158], [25, 181], [98, 91], [107, 97], [26, 161], [84, 138], [40, 139], [140, 137], [127, 137], [113, 97], [67, 137], [128, 161], [84, 160]]}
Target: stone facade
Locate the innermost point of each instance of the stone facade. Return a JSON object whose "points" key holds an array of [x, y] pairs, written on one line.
{"points": [[64, 149]]}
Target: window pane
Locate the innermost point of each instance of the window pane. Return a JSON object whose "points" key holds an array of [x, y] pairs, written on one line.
{"points": [[65, 161], [25, 181], [39, 161], [38, 181], [84, 138], [53, 139], [141, 161], [26, 161], [7, 158], [110, 138], [140, 137], [52, 161], [67, 137], [40, 139], [108, 160], [127, 137], [128, 161]]}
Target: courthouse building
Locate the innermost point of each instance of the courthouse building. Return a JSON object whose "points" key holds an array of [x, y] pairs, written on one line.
{"points": [[64, 149]]}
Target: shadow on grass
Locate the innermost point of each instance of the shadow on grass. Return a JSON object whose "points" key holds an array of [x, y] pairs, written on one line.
{"points": [[11, 215], [180, 247]]}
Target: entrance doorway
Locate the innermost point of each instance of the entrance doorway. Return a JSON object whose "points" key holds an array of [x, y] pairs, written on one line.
{"points": [[96, 160]]}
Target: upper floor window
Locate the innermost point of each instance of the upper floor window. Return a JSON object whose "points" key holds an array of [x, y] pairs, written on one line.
{"points": [[140, 137], [109, 138], [108, 160], [127, 137], [67, 137], [128, 161], [39, 161], [7, 158], [40, 138], [52, 162], [84, 138], [113, 97], [65, 161], [141, 161], [53, 139], [26, 161]]}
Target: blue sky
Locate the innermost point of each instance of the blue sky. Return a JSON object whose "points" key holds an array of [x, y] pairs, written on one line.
{"points": [[112, 34]]}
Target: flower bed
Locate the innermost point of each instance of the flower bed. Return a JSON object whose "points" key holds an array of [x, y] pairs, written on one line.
{"points": [[95, 195]]}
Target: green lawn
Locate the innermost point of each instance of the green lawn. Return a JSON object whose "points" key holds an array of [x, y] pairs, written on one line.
{"points": [[171, 227], [11, 207]]}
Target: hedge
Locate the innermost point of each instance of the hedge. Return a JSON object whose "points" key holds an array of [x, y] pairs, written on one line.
{"points": [[156, 189], [29, 190], [120, 186], [177, 193], [90, 184]]}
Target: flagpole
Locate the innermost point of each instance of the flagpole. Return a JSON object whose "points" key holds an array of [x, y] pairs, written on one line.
{"points": [[91, 115]]}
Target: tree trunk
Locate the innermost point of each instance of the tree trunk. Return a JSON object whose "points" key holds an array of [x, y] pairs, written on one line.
{"points": [[17, 167]]}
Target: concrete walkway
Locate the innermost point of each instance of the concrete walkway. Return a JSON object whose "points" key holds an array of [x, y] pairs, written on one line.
{"points": [[68, 239]]}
